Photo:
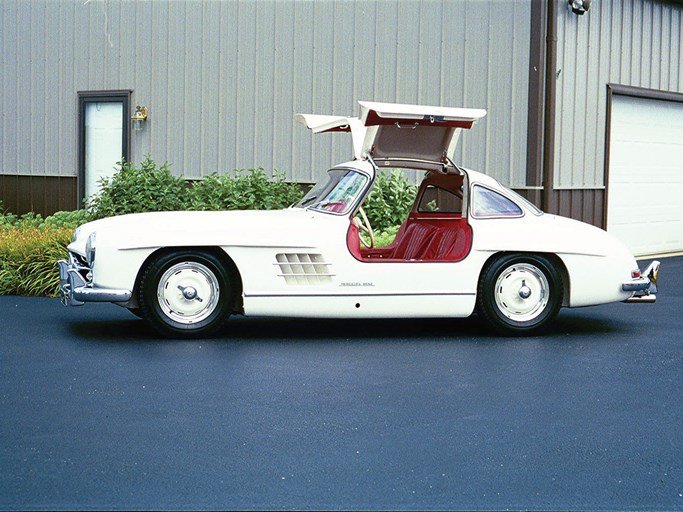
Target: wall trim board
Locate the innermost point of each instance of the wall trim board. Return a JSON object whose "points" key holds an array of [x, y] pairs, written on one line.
{"points": [[38, 194]]}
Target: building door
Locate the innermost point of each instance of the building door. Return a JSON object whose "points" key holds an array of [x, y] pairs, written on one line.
{"points": [[103, 137], [645, 187]]}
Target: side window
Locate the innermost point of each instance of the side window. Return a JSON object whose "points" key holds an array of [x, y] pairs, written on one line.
{"points": [[488, 203], [435, 199]]}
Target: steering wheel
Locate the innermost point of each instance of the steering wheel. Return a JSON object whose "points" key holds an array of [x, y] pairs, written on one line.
{"points": [[363, 225]]}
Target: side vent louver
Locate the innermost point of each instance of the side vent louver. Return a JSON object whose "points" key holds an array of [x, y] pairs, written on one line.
{"points": [[303, 269]]}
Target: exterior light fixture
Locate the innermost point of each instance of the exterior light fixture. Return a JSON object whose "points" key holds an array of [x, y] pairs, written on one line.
{"points": [[139, 118], [579, 7]]}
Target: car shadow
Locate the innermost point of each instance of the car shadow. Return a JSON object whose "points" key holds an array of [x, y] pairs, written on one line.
{"points": [[264, 328]]}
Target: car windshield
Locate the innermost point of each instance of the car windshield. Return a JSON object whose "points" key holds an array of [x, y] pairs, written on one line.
{"points": [[338, 193]]}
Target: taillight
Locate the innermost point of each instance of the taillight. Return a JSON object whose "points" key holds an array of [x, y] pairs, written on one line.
{"points": [[635, 274]]}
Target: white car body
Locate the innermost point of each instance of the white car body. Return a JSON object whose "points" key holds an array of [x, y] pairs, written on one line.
{"points": [[300, 262]]}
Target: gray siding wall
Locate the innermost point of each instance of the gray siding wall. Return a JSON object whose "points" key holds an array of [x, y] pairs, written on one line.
{"points": [[222, 80], [628, 42]]}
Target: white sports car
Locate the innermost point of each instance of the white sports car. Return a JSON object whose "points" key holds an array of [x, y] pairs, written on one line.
{"points": [[468, 244]]}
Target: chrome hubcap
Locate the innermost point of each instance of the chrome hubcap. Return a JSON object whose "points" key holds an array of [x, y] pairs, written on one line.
{"points": [[188, 292], [522, 292]]}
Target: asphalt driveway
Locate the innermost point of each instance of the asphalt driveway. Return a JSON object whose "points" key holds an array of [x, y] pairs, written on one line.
{"points": [[97, 412]]}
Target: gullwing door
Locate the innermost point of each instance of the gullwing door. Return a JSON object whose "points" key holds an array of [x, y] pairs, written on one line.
{"points": [[397, 135]]}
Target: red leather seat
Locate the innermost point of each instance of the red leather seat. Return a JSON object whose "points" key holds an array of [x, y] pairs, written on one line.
{"points": [[414, 242]]}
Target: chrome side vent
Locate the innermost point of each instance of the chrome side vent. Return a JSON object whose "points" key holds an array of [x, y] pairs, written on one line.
{"points": [[303, 269]]}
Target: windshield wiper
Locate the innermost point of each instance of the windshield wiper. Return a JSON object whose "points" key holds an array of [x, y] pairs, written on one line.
{"points": [[322, 203], [308, 202]]}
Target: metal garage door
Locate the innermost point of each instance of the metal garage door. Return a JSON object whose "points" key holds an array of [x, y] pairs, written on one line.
{"points": [[645, 191]]}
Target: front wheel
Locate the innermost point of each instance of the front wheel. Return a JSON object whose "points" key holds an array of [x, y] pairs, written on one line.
{"points": [[519, 294], [185, 293]]}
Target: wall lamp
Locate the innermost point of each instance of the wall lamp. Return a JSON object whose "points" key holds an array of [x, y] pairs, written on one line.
{"points": [[579, 7], [139, 118]]}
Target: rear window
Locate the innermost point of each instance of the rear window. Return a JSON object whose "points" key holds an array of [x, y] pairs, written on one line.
{"points": [[489, 203], [436, 199]]}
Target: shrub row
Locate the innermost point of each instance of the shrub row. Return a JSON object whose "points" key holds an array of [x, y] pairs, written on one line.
{"points": [[30, 246], [150, 187]]}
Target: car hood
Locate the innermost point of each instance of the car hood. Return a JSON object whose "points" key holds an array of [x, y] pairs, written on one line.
{"points": [[292, 227]]}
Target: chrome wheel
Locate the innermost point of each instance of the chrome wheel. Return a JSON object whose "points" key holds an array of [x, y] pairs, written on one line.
{"points": [[188, 292], [522, 292]]}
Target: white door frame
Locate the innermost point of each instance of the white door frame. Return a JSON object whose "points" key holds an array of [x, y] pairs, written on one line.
{"points": [[84, 98]]}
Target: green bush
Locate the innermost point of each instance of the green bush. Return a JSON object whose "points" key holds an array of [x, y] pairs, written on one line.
{"points": [[30, 247], [386, 236], [67, 219], [28, 259], [27, 220], [249, 189], [132, 189], [390, 200], [35, 220], [152, 188]]}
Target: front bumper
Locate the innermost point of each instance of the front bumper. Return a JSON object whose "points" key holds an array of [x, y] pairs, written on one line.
{"points": [[644, 288], [76, 288]]}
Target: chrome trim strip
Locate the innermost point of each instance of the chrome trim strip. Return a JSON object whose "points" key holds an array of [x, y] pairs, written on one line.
{"points": [[308, 295], [306, 275]]}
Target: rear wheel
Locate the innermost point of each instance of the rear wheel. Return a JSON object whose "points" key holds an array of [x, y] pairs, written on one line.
{"points": [[519, 294], [185, 294]]}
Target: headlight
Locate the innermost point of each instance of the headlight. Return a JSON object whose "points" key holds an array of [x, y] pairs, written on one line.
{"points": [[77, 232], [90, 249]]}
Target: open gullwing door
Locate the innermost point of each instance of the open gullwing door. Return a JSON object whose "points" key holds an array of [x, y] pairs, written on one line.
{"points": [[398, 135], [414, 136], [325, 124]]}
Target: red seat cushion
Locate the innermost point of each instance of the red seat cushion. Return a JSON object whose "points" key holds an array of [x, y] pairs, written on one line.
{"points": [[414, 241]]}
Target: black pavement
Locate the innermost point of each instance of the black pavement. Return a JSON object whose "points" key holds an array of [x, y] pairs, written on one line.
{"points": [[97, 412]]}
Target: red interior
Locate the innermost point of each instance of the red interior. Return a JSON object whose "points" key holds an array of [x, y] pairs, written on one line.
{"points": [[422, 237]]}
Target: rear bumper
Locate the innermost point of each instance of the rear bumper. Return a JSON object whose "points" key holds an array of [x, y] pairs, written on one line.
{"points": [[76, 288], [644, 288]]}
